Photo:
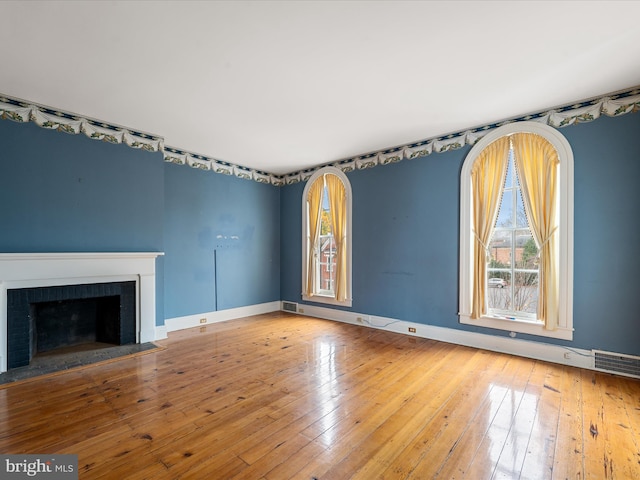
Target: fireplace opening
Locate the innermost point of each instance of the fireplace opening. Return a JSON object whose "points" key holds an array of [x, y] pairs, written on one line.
{"points": [[48, 319], [69, 323]]}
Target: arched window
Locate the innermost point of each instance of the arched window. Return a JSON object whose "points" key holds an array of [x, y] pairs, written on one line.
{"points": [[326, 238], [516, 232]]}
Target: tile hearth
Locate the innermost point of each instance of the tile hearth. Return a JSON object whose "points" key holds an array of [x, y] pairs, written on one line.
{"points": [[64, 359]]}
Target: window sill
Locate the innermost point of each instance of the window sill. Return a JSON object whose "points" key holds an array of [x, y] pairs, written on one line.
{"points": [[530, 327], [327, 300]]}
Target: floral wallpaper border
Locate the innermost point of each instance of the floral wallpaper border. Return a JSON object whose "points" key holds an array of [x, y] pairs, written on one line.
{"points": [[20, 111], [612, 105]]}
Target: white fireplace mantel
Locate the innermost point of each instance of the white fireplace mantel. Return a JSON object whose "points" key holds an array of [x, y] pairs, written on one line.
{"points": [[31, 270]]}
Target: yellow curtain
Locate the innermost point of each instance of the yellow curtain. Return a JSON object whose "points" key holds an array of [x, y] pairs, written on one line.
{"points": [[314, 204], [487, 182], [338, 205], [537, 164]]}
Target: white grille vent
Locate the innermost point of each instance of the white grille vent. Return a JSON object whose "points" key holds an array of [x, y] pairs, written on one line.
{"points": [[290, 307], [618, 363]]}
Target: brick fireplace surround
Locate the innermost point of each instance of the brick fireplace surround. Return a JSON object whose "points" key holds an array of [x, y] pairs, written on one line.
{"points": [[32, 270]]}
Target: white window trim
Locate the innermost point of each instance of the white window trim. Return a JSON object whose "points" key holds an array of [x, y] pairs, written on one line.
{"points": [[565, 234], [327, 299]]}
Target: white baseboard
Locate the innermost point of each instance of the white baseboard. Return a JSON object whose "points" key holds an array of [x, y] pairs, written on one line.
{"points": [[574, 357], [190, 321], [161, 332]]}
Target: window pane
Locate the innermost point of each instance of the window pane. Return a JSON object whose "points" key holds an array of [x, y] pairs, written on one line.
{"points": [[526, 251], [509, 178], [498, 293], [525, 292], [506, 210], [325, 216], [326, 264], [521, 215], [500, 248]]}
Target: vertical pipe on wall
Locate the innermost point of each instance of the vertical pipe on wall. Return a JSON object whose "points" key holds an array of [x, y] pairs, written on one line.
{"points": [[215, 280]]}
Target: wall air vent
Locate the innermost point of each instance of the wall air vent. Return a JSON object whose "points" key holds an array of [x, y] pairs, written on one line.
{"points": [[618, 363], [290, 307]]}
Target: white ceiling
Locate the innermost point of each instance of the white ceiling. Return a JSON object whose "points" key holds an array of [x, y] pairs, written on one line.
{"points": [[281, 86]]}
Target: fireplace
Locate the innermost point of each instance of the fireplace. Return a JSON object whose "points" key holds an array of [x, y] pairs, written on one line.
{"points": [[45, 319], [51, 300]]}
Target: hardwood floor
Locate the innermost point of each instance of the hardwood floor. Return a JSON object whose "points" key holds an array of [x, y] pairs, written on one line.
{"points": [[283, 396]]}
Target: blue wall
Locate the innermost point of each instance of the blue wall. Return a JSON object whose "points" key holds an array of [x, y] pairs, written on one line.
{"points": [[406, 238], [68, 193], [219, 227], [62, 192], [607, 233]]}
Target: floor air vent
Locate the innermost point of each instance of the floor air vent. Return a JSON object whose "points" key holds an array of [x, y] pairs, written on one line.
{"points": [[619, 363], [290, 307]]}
